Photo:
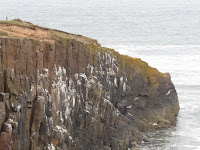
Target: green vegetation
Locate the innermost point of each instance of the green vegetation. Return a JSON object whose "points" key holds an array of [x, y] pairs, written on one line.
{"points": [[3, 33], [20, 22], [94, 92], [127, 65], [57, 35]]}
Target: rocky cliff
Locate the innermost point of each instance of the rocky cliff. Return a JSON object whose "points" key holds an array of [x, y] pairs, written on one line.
{"points": [[65, 92]]}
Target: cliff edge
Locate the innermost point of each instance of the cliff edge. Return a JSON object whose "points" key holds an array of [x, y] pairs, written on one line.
{"points": [[64, 91]]}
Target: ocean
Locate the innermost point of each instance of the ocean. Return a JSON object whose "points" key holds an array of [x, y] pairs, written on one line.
{"points": [[165, 33]]}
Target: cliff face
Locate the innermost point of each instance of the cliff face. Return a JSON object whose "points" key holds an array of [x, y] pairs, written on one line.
{"points": [[65, 91]]}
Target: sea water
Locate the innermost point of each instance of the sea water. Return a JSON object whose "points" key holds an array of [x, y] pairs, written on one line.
{"points": [[165, 33]]}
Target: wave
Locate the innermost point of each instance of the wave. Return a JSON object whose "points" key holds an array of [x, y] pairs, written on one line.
{"points": [[187, 108]]}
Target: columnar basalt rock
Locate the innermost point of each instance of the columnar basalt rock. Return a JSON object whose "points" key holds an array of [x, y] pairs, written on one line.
{"points": [[64, 91]]}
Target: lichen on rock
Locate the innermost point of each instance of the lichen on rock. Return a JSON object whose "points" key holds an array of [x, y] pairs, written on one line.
{"points": [[65, 91]]}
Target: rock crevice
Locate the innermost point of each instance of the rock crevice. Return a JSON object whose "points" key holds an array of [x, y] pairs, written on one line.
{"points": [[68, 92]]}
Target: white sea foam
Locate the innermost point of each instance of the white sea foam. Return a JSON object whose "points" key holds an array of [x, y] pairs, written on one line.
{"points": [[165, 33]]}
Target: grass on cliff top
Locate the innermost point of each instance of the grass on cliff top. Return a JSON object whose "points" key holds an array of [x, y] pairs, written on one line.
{"points": [[22, 23], [126, 63], [55, 34]]}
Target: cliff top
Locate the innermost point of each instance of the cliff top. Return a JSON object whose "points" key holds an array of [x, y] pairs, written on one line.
{"points": [[22, 29]]}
